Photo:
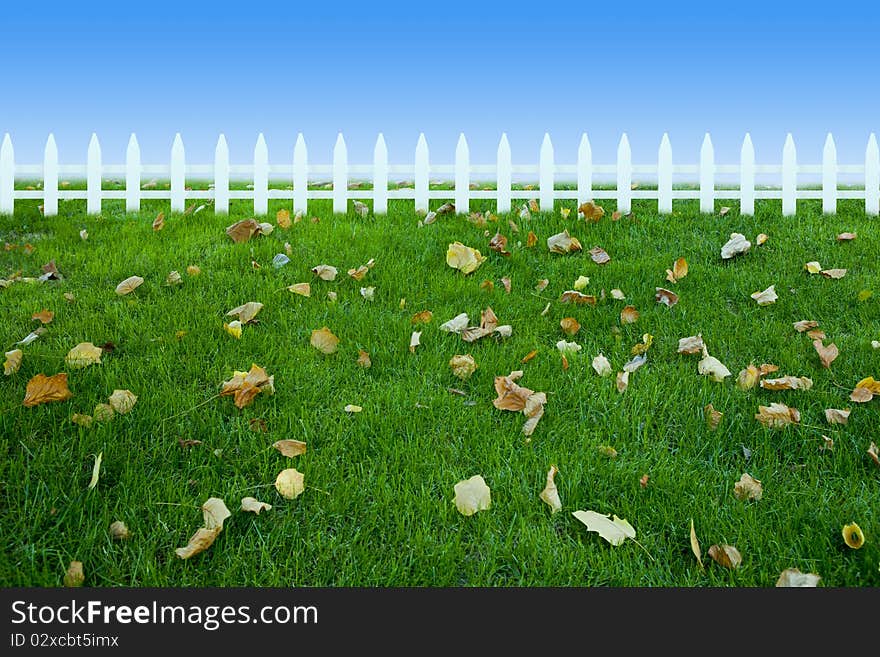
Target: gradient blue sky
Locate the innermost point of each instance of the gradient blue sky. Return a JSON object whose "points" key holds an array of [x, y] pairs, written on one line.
{"points": [[439, 67]]}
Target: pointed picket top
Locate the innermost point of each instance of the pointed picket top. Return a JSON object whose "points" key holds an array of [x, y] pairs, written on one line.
{"points": [[50, 177], [664, 176], [829, 176], [789, 177], [132, 175], [585, 170], [178, 174], [872, 177], [545, 175], [300, 175], [624, 176], [93, 176], [707, 176], [380, 176], [340, 175], [747, 177], [503, 174], [420, 170], [462, 175], [221, 176], [261, 177], [7, 175]]}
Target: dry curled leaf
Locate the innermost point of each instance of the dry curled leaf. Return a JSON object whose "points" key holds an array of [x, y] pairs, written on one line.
{"points": [[691, 345], [96, 470], [83, 355], [325, 272], [42, 389], [242, 231], [712, 367], [629, 315], [499, 244], [679, 270], [591, 212], [414, 341], [805, 325], [826, 354], [463, 258], [290, 483], [246, 312], [765, 297], [422, 317], [833, 273], [573, 296], [726, 555], [787, 383], [324, 341], [622, 382], [664, 296], [748, 488], [615, 530], [550, 494], [12, 362], [736, 245], [253, 505], [290, 448], [282, 218], [245, 386], [531, 239], [794, 578], [599, 256], [463, 366], [119, 531], [302, 289], [569, 325], [837, 415], [777, 416], [472, 495], [364, 359], [159, 222], [601, 365], [74, 576], [122, 401], [695, 545], [214, 513], [713, 417], [44, 316], [563, 243], [129, 285], [873, 453]]}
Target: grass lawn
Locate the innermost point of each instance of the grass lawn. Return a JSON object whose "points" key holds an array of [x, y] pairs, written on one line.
{"points": [[377, 509]]}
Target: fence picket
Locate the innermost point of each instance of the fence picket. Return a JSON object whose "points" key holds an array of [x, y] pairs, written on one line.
{"points": [[747, 177], [789, 177], [380, 176], [420, 171], [340, 175], [221, 176], [829, 176], [261, 177], [300, 175], [462, 175], [133, 175], [664, 176], [585, 171], [545, 175], [50, 178], [7, 176], [872, 177], [624, 176], [503, 174], [93, 177], [178, 174], [707, 176]]}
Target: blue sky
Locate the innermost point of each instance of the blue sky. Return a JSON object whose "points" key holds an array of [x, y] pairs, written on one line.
{"points": [[202, 68]]}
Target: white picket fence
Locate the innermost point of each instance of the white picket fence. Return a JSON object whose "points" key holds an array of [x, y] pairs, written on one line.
{"points": [[301, 172]]}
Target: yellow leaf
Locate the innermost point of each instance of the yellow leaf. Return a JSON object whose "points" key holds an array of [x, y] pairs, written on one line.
{"points": [[233, 328], [74, 576], [246, 312], [695, 545], [303, 289], [159, 222], [813, 267], [422, 317], [569, 325], [193, 270], [290, 448], [463, 366], [252, 504], [472, 495], [853, 536], [364, 359], [290, 483], [591, 212], [463, 258], [550, 494], [129, 285], [777, 416], [12, 362], [629, 315], [119, 531], [122, 401], [325, 272], [282, 218], [96, 470], [44, 316], [713, 417], [42, 389], [352, 408], [83, 355], [712, 367], [324, 341], [581, 283], [614, 531]]}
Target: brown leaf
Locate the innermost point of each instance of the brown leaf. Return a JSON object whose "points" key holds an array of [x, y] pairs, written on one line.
{"points": [[119, 531], [787, 383], [695, 545], [643, 480], [713, 417], [499, 244], [563, 243], [748, 488], [258, 425], [599, 256], [629, 315], [845, 237], [570, 325], [679, 270], [159, 222], [836, 415], [873, 453], [511, 397], [529, 356], [777, 416], [44, 316], [282, 218], [74, 576], [826, 354], [726, 555], [130, 284], [573, 296], [246, 312], [622, 381], [664, 296], [42, 389], [505, 281], [816, 334], [794, 578], [861, 395], [805, 325], [364, 359], [245, 386], [591, 211], [242, 231], [422, 317], [691, 345], [290, 448]]}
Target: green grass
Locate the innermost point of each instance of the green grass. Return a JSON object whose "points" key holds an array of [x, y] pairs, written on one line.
{"points": [[377, 510]]}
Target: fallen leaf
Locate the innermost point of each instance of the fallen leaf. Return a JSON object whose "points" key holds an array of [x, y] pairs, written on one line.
{"points": [[873, 453], [695, 545], [615, 530], [591, 212], [581, 283], [12, 362], [245, 386], [422, 317], [607, 451], [569, 325], [836, 415], [723, 211], [531, 239], [550, 494], [360, 209], [726, 555], [456, 325], [324, 341], [129, 285], [794, 578], [679, 270], [173, 278], [748, 488], [713, 417], [542, 285], [845, 237], [712, 367], [81, 420], [368, 293], [463, 366], [159, 222], [74, 576], [44, 316], [805, 325], [214, 512], [290, 483], [664, 296], [463, 258], [827, 443], [643, 480], [119, 531], [601, 365], [853, 536], [258, 425], [96, 470], [242, 231], [290, 448], [573, 296], [834, 273], [529, 356], [193, 270], [122, 401], [599, 256], [246, 312], [813, 267], [505, 281], [364, 359], [103, 413], [302, 289], [472, 495], [414, 341], [691, 345], [325, 272], [33, 335], [253, 505], [499, 244], [564, 212], [826, 354], [233, 328], [761, 238], [787, 383], [563, 243], [622, 382], [635, 363], [487, 285], [282, 218], [42, 389], [736, 245], [629, 315], [766, 297], [777, 416], [618, 294], [568, 348]]}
